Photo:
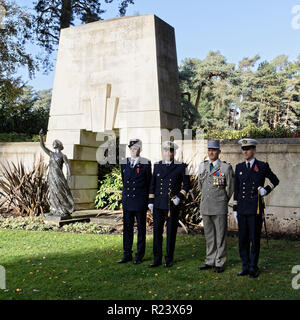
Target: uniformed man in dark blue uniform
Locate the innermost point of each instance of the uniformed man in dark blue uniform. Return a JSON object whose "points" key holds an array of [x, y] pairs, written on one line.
{"points": [[169, 186], [136, 177], [249, 206]]}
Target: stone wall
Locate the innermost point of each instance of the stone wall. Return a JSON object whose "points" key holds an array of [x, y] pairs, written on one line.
{"points": [[16, 151]]}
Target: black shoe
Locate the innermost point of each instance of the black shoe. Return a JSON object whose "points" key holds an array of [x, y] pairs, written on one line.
{"points": [[253, 274], [243, 273], [219, 269], [124, 260], [205, 267], [155, 264], [137, 261], [168, 264]]}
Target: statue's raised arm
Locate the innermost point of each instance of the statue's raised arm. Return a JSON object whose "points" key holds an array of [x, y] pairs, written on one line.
{"points": [[42, 144]]}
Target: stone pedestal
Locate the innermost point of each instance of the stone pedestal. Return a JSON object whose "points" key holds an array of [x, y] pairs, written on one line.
{"points": [[60, 221]]}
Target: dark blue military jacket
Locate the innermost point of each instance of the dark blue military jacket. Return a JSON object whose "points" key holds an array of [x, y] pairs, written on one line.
{"points": [[136, 183], [247, 182], [166, 179]]}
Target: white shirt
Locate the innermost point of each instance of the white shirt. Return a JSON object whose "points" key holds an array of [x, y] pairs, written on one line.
{"points": [[214, 163], [134, 160], [251, 162], [168, 162]]}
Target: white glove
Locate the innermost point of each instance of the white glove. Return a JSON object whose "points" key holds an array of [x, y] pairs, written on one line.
{"points": [[235, 216], [176, 201], [262, 191], [150, 206]]}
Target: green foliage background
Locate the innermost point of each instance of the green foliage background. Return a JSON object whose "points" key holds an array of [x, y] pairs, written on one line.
{"points": [[223, 98], [107, 197], [250, 131]]}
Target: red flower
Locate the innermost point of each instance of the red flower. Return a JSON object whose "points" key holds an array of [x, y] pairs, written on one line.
{"points": [[256, 168], [138, 170]]}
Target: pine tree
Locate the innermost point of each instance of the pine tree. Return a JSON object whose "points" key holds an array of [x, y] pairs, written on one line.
{"points": [[52, 16]]}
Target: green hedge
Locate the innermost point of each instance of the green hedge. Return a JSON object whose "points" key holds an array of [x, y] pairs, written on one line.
{"points": [[251, 131], [109, 194], [18, 137]]}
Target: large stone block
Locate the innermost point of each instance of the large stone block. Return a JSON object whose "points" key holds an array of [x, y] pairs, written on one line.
{"points": [[79, 167], [83, 182], [84, 153], [140, 119], [84, 195], [130, 59]]}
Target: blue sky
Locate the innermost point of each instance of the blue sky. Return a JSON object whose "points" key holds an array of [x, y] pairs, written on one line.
{"points": [[236, 28]]}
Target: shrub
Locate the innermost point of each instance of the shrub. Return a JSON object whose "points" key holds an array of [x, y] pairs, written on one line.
{"points": [[24, 191], [86, 228], [250, 131], [109, 194], [38, 224]]}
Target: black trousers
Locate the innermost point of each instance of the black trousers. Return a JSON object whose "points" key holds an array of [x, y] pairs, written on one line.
{"points": [[249, 233], [159, 218], [128, 225]]}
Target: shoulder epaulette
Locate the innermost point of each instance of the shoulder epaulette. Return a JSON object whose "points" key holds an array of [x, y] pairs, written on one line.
{"points": [[227, 162]]}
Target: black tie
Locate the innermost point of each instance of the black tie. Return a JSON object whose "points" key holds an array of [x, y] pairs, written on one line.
{"points": [[132, 163], [248, 165]]}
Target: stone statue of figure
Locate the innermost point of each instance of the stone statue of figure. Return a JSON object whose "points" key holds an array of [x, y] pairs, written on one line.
{"points": [[60, 197]]}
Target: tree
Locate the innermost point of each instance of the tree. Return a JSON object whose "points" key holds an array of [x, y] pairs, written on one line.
{"points": [[217, 95], [291, 114], [14, 36], [26, 113], [208, 85], [213, 66], [52, 16], [270, 87], [247, 107], [190, 116]]}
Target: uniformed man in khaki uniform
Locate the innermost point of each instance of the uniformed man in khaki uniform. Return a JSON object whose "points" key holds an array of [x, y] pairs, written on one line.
{"points": [[216, 182]]}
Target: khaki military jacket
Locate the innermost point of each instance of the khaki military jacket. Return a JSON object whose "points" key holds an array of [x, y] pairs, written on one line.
{"points": [[216, 187]]}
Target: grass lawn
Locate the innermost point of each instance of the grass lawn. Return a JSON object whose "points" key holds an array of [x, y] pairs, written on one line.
{"points": [[53, 265]]}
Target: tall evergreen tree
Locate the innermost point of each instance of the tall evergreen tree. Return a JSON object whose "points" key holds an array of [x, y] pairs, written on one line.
{"points": [[15, 34], [229, 97], [291, 112], [52, 16]]}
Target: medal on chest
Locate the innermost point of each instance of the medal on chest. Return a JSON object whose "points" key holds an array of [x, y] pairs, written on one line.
{"points": [[218, 179]]}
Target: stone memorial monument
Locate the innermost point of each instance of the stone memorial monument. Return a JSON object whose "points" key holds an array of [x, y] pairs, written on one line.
{"points": [[117, 77]]}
